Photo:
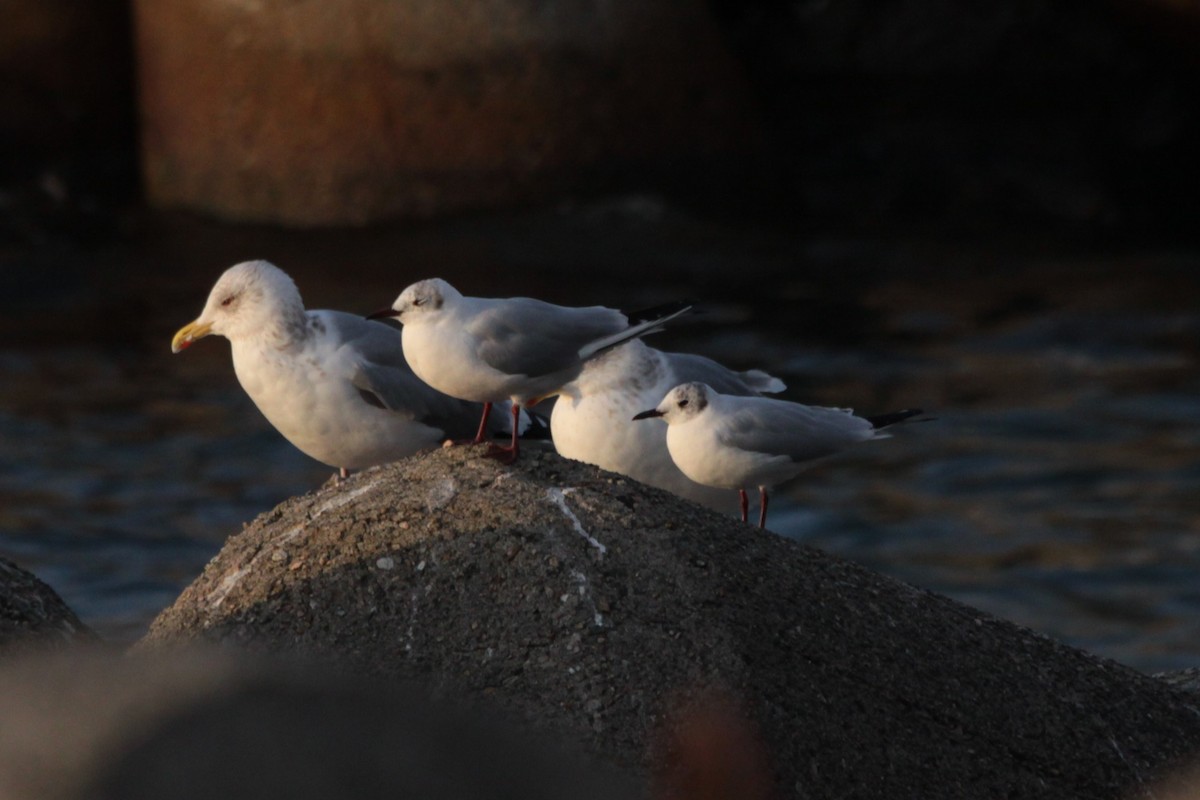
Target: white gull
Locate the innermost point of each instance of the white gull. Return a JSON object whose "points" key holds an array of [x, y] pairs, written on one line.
{"points": [[490, 349], [590, 420], [335, 385], [734, 442]]}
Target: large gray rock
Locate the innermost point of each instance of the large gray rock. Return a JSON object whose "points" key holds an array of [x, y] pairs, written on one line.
{"points": [[207, 724], [593, 606], [32, 614]]}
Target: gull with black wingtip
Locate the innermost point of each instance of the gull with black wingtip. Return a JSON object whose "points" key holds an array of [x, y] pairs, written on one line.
{"points": [[590, 421], [735, 442], [519, 348]]}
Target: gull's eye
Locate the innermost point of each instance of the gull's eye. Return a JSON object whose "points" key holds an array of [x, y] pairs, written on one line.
{"points": [[418, 301], [683, 403], [228, 300]]}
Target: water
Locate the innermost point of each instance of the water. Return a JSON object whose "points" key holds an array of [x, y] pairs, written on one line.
{"points": [[1055, 488]]}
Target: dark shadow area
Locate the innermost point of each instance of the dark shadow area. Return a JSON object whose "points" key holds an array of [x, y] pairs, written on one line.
{"points": [[991, 122]]}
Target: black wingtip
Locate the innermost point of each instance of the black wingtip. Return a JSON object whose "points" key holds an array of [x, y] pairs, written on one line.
{"points": [[538, 428], [658, 312], [885, 420]]}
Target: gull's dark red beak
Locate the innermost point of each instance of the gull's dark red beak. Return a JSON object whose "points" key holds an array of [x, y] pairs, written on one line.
{"points": [[383, 313], [654, 412]]}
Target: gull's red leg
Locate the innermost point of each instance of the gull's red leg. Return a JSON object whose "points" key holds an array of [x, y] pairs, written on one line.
{"points": [[516, 420], [744, 503], [507, 455], [762, 513], [481, 434]]}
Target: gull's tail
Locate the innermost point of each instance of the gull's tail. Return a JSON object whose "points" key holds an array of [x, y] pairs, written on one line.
{"points": [[761, 382], [534, 425], [885, 420], [530, 424], [658, 317]]}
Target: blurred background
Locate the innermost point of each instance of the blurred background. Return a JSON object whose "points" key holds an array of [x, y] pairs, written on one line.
{"points": [[987, 210]]}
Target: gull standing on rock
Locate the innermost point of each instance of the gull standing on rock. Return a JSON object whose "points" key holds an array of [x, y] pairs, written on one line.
{"points": [[734, 442], [487, 350], [335, 385], [590, 421]]}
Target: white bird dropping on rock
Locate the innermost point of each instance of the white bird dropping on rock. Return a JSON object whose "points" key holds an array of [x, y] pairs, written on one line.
{"points": [[734, 442], [488, 349], [335, 385]]}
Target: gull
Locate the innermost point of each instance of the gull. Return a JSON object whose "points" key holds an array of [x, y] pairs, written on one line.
{"points": [[489, 349], [335, 385], [734, 442], [589, 422]]}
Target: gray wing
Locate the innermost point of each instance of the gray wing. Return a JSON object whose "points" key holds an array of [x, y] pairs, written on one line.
{"points": [[523, 336], [384, 379], [688, 367], [802, 433]]}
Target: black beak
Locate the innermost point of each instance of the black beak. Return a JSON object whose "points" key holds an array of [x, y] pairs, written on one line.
{"points": [[654, 412], [382, 313]]}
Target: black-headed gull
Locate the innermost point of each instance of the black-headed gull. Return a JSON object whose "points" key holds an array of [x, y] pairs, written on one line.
{"points": [[590, 421], [734, 442], [335, 385], [490, 349]]}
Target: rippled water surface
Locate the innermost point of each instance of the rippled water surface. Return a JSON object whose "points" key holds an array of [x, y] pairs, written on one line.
{"points": [[1056, 487]]}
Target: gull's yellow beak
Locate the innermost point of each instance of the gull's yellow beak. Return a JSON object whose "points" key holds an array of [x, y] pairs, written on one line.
{"points": [[190, 333]]}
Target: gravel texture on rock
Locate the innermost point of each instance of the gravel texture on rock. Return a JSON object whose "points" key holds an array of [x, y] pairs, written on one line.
{"points": [[32, 614], [595, 608]]}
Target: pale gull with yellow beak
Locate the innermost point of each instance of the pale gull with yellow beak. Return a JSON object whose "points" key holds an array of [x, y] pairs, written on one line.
{"points": [[335, 385]]}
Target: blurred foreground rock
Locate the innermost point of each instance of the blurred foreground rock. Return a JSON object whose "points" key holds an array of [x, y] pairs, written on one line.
{"points": [[33, 615], [207, 724], [597, 609], [351, 111]]}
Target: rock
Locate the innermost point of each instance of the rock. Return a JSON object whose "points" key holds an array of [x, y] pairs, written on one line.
{"points": [[1186, 679], [352, 111], [207, 724], [592, 606], [32, 614]]}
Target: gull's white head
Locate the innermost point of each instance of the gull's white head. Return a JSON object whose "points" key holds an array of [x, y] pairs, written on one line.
{"points": [[420, 302], [247, 299], [682, 403]]}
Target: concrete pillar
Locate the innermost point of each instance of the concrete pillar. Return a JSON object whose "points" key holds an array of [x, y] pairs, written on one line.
{"points": [[349, 111]]}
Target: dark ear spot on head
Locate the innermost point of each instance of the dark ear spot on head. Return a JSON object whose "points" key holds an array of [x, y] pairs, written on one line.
{"points": [[437, 301], [701, 401]]}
